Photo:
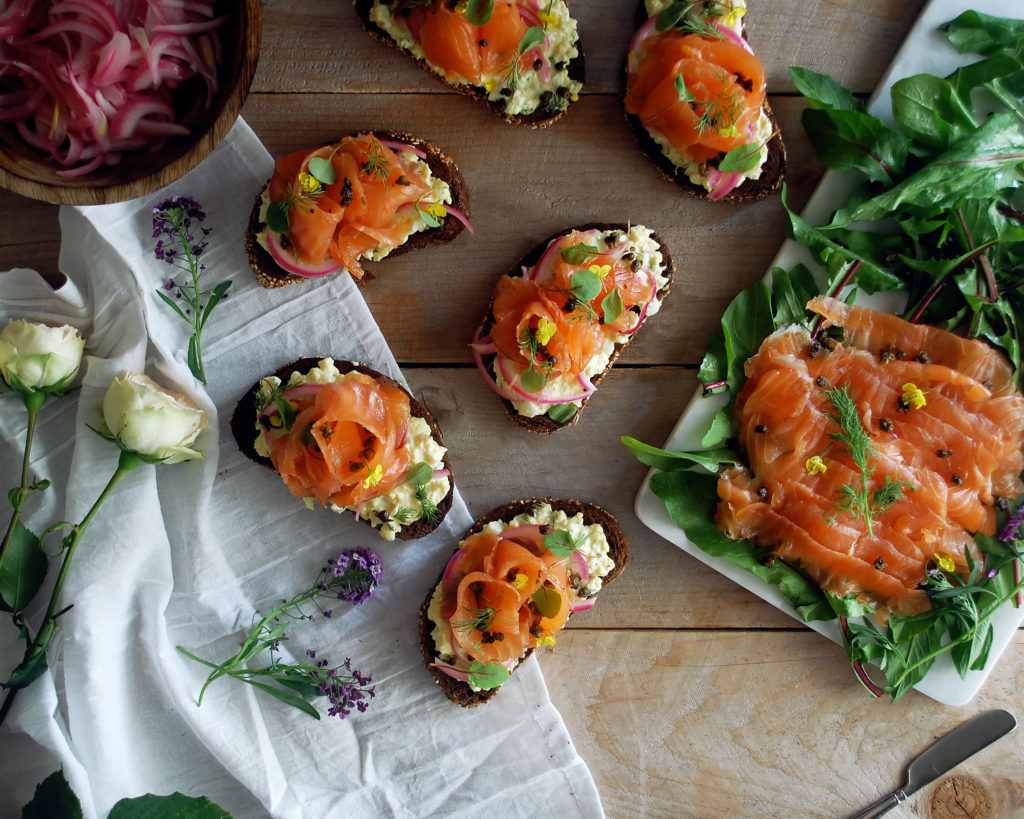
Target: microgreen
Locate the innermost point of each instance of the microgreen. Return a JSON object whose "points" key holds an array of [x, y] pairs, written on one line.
{"points": [[323, 169], [685, 95], [426, 216], [585, 285], [561, 544], [741, 159], [535, 376], [479, 12], [484, 677], [548, 601], [419, 476], [181, 241], [612, 306], [579, 253], [677, 15], [560, 413]]}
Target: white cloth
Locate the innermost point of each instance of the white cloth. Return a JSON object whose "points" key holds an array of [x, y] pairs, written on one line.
{"points": [[185, 554]]}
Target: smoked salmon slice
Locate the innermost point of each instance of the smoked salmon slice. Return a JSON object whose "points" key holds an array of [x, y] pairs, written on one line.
{"points": [[943, 421]]}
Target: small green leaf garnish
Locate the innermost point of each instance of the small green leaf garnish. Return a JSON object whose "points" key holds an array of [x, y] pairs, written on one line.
{"points": [[533, 380], [323, 170], [612, 306], [741, 159], [561, 413], [560, 543], [585, 285], [547, 601], [533, 37], [683, 91], [484, 677], [672, 14], [428, 218], [578, 253], [277, 216], [479, 12], [421, 473]]}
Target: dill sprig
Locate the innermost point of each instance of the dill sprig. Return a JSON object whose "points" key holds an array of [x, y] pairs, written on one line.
{"points": [[719, 114], [478, 619], [376, 163], [428, 509], [860, 500]]}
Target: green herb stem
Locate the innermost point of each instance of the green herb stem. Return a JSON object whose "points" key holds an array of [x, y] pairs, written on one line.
{"points": [[48, 630], [33, 402]]}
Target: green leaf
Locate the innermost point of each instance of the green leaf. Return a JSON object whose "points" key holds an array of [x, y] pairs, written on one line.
{"points": [[560, 543], [669, 16], [479, 12], [533, 37], [277, 217], [746, 323], [976, 33], [721, 428], [845, 140], [547, 601], [285, 697], [715, 365], [612, 306], [791, 290], [533, 380], [421, 473], [585, 285], [824, 92], [215, 297], [578, 253], [22, 568], [30, 670], [683, 91], [929, 110], [323, 170], [561, 413], [427, 217], [172, 806], [741, 159], [173, 305], [485, 677], [670, 461], [53, 799]]}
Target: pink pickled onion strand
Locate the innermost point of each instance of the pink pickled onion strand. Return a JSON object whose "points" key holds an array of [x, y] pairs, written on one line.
{"points": [[302, 389], [586, 383], [451, 671], [98, 77], [722, 183], [402, 146], [734, 37], [442, 473], [478, 358], [647, 304], [538, 398], [648, 29], [403, 437], [290, 264], [542, 263], [583, 604], [529, 16], [484, 348], [581, 566], [461, 217]]}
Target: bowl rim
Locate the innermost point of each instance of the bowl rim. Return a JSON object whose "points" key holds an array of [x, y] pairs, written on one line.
{"points": [[106, 193]]}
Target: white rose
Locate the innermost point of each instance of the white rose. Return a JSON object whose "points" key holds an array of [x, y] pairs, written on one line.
{"points": [[147, 419], [38, 357]]}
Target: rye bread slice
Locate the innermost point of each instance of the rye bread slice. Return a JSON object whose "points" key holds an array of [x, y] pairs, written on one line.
{"points": [[750, 190], [461, 693], [544, 424], [540, 118], [270, 275], [243, 428]]}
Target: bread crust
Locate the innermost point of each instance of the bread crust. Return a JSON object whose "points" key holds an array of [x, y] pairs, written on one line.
{"points": [[536, 119], [544, 424], [461, 693], [750, 190], [270, 275], [243, 425]]}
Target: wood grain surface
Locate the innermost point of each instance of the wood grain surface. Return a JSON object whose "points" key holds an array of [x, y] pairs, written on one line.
{"points": [[686, 694]]}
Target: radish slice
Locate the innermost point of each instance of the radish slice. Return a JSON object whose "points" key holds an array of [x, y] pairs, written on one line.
{"points": [[290, 264]]}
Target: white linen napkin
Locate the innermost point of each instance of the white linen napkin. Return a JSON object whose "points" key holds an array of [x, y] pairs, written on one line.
{"points": [[185, 554]]}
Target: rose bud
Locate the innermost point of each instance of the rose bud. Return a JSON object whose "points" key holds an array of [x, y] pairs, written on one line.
{"points": [[144, 418], [39, 358]]}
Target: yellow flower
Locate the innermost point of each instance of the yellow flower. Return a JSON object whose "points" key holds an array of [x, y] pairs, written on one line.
{"points": [[600, 270], [913, 396], [734, 14], [546, 641], [521, 581], [309, 183], [490, 85], [437, 210], [944, 562], [460, 7], [546, 19], [815, 465], [546, 328], [375, 477]]}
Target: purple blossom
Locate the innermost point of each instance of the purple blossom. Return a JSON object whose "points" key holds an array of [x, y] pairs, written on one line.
{"points": [[355, 574], [345, 691], [1013, 524]]}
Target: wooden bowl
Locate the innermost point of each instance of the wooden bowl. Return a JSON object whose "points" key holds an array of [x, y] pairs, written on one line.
{"points": [[29, 172]]}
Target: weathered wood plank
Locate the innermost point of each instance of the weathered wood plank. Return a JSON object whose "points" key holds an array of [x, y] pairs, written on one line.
{"points": [[312, 46], [763, 724]]}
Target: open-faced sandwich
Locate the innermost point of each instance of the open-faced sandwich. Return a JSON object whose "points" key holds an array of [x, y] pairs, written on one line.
{"points": [[351, 439], [364, 197], [511, 584], [560, 319], [522, 58], [695, 98]]}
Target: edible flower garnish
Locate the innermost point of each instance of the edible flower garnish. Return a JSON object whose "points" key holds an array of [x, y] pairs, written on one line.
{"points": [[520, 581], [944, 562], [437, 210], [546, 640], [545, 330], [600, 270], [913, 396], [815, 465], [375, 477], [733, 16]]}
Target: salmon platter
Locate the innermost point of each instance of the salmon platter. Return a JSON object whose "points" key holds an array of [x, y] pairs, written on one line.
{"points": [[855, 453]]}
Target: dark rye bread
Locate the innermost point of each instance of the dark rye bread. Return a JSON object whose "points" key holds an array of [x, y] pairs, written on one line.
{"points": [[243, 428], [459, 692], [540, 118], [269, 274], [750, 190], [544, 424]]}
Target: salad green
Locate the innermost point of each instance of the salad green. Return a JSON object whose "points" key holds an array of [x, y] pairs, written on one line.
{"points": [[936, 214]]}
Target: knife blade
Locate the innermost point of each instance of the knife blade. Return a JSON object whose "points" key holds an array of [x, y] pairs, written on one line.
{"points": [[943, 755]]}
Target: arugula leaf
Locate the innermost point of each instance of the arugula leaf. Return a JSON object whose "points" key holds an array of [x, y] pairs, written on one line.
{"points": [[560, 543], [533, 37], [277, 217], [845, 140], [928, 109], [976, 33], [670, 461], [824, 92], [791, 290], [747, 322], [533, 380]]}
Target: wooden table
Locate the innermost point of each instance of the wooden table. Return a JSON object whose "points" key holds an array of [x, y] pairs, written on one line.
{"points": [[685, 694]]}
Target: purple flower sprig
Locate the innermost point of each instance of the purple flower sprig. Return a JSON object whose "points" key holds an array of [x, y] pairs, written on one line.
{"points": [[181, 242], [352, 577]]}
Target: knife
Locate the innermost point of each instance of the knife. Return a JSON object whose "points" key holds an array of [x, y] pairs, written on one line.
{"points": [[943, 755]]}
